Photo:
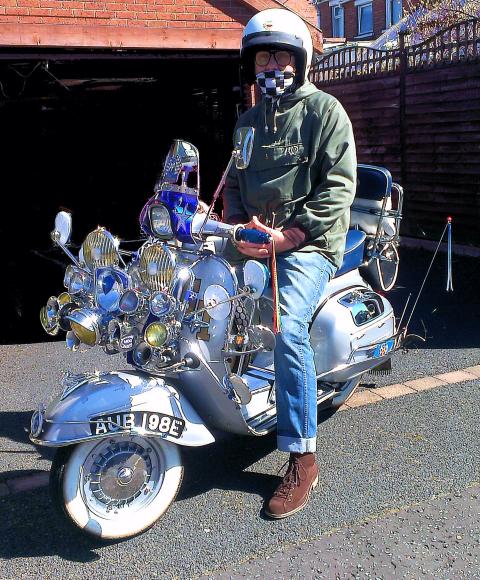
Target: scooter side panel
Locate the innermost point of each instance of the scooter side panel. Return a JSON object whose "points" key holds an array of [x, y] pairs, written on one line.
{"points": [[69, 417], [342, 348]]}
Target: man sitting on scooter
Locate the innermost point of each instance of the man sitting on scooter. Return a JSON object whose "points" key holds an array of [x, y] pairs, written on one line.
{"points": [[298, 187]]}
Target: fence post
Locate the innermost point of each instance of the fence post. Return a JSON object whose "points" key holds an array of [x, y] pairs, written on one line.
{"points": [[402, 106]]}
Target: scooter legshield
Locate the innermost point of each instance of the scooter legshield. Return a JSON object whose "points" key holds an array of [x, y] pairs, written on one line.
{"points": [[120, 402]]}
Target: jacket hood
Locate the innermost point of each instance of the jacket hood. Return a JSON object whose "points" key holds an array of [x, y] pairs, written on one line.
{"points": [[273, 109], [300, 93]]}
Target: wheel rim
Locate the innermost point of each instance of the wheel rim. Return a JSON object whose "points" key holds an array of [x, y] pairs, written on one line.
{"points": [[121, 476]]}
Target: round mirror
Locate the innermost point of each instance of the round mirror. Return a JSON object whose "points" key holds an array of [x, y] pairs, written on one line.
{"points": [[216, 300], [256, 276], [63, 227]]}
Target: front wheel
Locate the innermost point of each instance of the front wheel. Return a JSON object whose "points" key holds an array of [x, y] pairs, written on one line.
{"points": [[116, 487]]}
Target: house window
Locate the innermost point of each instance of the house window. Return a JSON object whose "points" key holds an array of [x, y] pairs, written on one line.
{"points": [[338, 29], [364, 17], [393, 10]]}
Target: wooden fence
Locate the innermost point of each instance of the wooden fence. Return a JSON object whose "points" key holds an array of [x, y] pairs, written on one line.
{"points": [[416, 111]]}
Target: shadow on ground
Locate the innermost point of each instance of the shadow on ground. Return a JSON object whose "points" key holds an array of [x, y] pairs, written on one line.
{"points": [[15, 426], [222, 465]]}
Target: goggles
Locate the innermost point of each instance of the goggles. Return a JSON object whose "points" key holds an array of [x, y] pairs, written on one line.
{"points": [[282, 57]]}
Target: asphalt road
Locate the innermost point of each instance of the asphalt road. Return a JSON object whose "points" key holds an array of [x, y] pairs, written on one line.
{"points": [[387, 473], [373, 460]]}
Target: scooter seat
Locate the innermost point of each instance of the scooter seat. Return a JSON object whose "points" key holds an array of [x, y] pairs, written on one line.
{"points": [[354, 252]]}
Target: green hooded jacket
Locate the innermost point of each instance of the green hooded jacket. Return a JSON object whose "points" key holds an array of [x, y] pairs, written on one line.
{"points": [[302, 170]]}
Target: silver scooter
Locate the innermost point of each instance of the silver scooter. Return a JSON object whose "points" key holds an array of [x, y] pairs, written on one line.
{"points": [[199, 345]]}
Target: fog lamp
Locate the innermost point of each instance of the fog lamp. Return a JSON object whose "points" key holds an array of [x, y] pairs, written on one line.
{"points": [[156, 334], [64, 298], [85, 324]]}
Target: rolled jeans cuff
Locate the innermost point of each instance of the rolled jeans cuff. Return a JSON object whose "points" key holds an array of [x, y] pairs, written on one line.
{"points": [[296, 445]]}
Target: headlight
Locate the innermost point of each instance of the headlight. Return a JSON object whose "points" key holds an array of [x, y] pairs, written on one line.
{"points": [[77, 281], [86, 324], [160, 222], [100, 249], [156, 334], [157, 267], [109, 286]]}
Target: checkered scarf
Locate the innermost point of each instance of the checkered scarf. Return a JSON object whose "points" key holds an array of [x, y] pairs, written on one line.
{"points": [[274, 83]]}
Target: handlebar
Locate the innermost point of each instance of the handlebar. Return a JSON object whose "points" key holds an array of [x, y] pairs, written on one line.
{"points": [[239, 233], [252, 236]]}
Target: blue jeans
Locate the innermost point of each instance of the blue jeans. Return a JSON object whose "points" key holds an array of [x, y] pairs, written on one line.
{"points": [[302, 277]]}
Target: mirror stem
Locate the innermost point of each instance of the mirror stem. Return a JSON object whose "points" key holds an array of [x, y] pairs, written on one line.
{"points": [[217, 193], [68, 252]]}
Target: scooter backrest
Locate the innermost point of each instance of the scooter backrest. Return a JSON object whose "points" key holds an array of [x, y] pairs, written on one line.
{"points": [[374, 185]]}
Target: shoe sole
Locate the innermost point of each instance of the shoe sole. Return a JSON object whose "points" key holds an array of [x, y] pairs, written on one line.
{"points": [[300, 507]]}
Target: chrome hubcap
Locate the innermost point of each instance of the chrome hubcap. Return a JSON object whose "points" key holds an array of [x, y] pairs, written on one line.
{"points": [[120, 474], [125, 475]]}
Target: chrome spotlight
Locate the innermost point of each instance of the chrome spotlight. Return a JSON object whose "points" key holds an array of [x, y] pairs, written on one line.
{"points": [[77, 281], [87, 325], [161, 304], [109, 286], [131, 301], [142, 354], [100, 249], [49, 316]]}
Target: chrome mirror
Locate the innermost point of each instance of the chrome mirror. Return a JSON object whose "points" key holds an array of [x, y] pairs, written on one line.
{"points": [[243, 146], [241, 153], [63, 228], [182, 159]]}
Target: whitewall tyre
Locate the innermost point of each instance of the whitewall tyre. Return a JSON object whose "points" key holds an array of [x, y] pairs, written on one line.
{"points": [[116, 487]]}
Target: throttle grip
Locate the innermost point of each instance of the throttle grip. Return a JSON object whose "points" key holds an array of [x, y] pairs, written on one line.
{"points": [[252, 236]]}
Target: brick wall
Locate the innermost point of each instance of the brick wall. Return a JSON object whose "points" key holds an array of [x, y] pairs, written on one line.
{"points": [[177, 24], [148, 13], [304, 8]]}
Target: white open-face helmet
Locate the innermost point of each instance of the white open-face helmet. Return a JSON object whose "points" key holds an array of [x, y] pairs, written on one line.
{"points": [[280, 29]]}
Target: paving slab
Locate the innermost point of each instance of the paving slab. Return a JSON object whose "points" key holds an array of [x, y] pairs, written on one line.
{"points": [[438, 538]]}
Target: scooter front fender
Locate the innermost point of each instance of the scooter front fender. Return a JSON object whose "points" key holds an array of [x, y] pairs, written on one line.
{"points": [[120, 402]]}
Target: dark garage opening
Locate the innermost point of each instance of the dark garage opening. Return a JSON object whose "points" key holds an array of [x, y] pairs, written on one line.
{"points": [[90, 135]]}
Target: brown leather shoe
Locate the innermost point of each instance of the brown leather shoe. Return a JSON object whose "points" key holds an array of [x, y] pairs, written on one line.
{"points": [[294, 491]]}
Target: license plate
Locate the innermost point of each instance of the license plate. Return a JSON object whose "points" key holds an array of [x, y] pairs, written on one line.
{"points": [[383, 349], [156, 423]]}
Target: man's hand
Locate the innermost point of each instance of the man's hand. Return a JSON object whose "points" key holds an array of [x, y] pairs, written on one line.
{"points": [[282, 243]]}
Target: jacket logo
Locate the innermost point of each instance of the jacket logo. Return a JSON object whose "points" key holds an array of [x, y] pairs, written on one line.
{"points": [[292, 149]]}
